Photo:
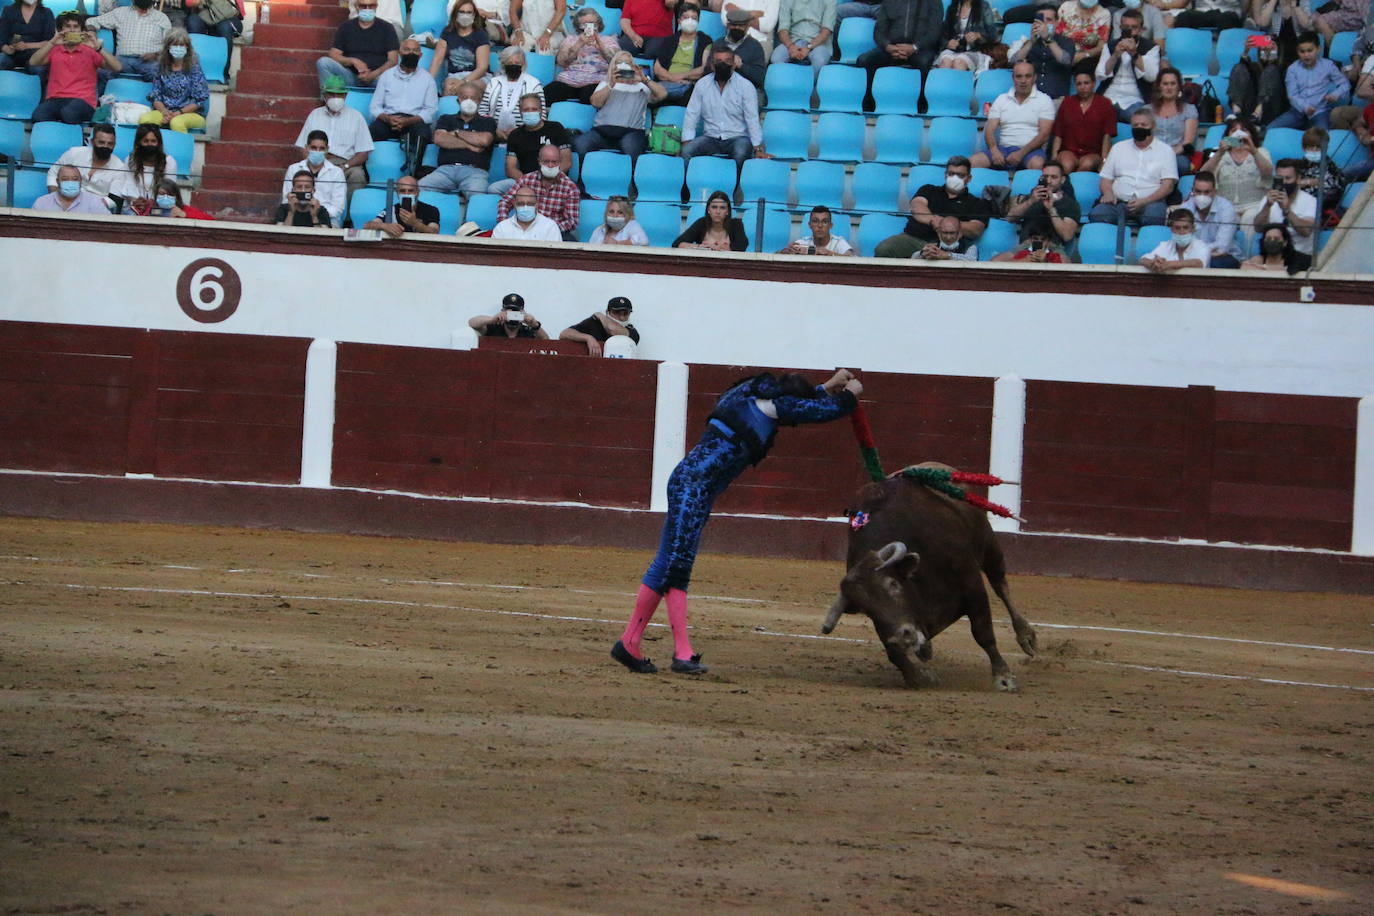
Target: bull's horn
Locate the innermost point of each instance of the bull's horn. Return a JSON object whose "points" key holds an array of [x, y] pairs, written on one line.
{"points": [[832, 616], [890, 554]]}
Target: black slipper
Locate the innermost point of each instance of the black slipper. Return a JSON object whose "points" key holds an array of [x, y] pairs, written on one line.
{"points": [[691, 665], [637, 665]]}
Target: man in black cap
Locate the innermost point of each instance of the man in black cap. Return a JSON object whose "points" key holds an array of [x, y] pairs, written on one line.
{"points": [[750, 59], [511, 321], [599, 327]]}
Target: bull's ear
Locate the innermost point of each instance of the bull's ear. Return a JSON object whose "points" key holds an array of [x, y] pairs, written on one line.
{"points": [[872, 495], [906, 567]]}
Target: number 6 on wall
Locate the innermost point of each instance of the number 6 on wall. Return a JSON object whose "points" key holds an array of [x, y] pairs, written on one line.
{"points": [[208, 290]]}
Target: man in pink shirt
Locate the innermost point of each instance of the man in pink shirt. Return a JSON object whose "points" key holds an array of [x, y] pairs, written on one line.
{"points": [[73, 57], [70, 197]]}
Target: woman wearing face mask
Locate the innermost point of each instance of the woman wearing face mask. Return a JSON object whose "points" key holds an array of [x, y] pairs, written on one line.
{"points": [[1087, 25], [1276, 251], [148, 165], [463, 51], [585, 59], [170, 203], [1175, 119], [538, 25], [1327, 187], [717, 230], [683, 61], [24, 28], [506, 88], [1243, 168], [180, 94], [619, 227]]}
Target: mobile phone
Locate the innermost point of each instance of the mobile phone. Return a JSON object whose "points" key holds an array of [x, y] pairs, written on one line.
{"points": [[406, 203], [1277, 184], [1036, 245], [810, 249]]}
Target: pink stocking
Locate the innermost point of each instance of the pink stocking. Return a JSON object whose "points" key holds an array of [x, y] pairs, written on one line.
{"points": [[646, 602], [677, 616]]}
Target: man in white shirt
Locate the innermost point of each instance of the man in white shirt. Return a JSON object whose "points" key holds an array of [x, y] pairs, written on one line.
{"points": [[1130, 66], [1215, 219], [69, 196], [329, 178], [820, 241], [727, 105], [100, 167], [1138, 176], [404, 104], [1182, 250], [526, 222], [350, 142], [1293, 207], [1019, 124]]}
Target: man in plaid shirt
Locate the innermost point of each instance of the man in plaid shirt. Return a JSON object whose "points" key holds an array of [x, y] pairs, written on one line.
{"points": [[558, 197], [139, 30]]}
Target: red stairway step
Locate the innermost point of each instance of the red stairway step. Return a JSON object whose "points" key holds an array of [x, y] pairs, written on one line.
{"points": [[305, 84]]}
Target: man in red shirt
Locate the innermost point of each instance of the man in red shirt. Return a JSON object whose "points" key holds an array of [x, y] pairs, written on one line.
{"points": [[646, 26], [73, 58]]}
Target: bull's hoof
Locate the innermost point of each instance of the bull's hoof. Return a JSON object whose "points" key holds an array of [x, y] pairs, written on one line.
{"points": [[1005, 682], [1026, 641], [922, 677]]}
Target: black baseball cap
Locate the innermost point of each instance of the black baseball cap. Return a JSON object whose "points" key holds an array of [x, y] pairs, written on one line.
{"points": [[620, 304], [513, 301]]}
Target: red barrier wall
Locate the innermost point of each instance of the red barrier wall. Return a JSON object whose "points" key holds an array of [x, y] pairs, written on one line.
{"points": [[497, 424], [1190, 463]]}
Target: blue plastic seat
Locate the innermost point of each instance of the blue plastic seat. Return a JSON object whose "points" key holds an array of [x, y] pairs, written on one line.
{"points": [[428, 16], [710, 24], [982, 178], [951, 136], [365, 205], [130, 90], [213, 52], [1097, 243], [949, 92], [1024, 181], [1015, 31], [777, 229], [840, 137], [1212, 138], [58, 7], [12, 139], [495, 172], [706, 174], [856, 37], [450, 207], [386, 163], [659, 177], [50, 139], [540, 66], [1000, 236], [106, 36], [448, 105], [1189, 51], [29, 185], [1148, 239], [1351, 192], [896, 90], [590, 214], [841, 88], [481, 210], [1230, 47], [787, 134], [989, 85], [820, 183], [877, 187], [1283, 143], [874, 227], [897, 138], [572, 115], [1185, 186], [769, 179], [788, 88], [1001, 6], [605, 173], [662, 222], [1342, 46], [1344, 149], [922, 175], [1087, 188], [360, 100], [670, 114]]}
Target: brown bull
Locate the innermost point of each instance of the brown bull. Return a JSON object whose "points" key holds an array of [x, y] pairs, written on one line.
{"points": [[916, 567]]}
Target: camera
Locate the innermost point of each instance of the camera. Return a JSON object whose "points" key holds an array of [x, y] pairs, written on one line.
{"points": [[515, 317], [624, 70], [303, 196], [72, 38]]}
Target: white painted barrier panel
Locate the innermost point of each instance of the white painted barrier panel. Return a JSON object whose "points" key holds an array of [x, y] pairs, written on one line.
{"points": [[317, 440], [1005, 451], [1362, 530], [670, 430]]}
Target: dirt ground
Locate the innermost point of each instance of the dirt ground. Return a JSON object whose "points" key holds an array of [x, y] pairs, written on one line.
{"points": [[198, 720]]}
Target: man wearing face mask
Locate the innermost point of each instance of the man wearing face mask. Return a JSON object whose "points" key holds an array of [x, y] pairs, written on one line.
{"points": [[404, 104], [1289, 205], [726, 108], [931, 202], [907, 34], [949, 244], [350, 142], [100, 167], [1152, 20], [1126, 73], [524, 143], [464, 140], [329, 178], [408, 213], [1214, 220], [750, 58], [1139, 174], [69, 196], [1182, 250], [526, 222], [363, 49], [139, 30], [681, 63], [556, 195]]}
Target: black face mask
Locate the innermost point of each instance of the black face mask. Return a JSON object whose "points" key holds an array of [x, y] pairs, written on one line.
{"points": [[512, 73], [723, 71], [1273, 246], [736, 34], [143, 4], [1140, 134], [410, 61], [1290, 189], [101, 153]]}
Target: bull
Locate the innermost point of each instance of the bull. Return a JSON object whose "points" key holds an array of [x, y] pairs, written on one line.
{"points": [[915, 566]]}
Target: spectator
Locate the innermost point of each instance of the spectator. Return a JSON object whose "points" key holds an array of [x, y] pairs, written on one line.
{"points": [[1050, 211], [501, 101], [599, 327], [820, 241], [1152, 24], [727, 108], [969, 26], [1215, 222], [139, 30], [363, 49], [1084, 128], [556, 195], [1283, 21], [622, 102], [464, 140], [1048, 51], [1086, 24], [1242, 168], [1349, 16], [148, 164], [933, 201], [389, 12], [681, 63], [1359, 121], [1018, 125], [1138, 177], [99, 167], [763, 19], [750, 58], [73, 58], [1175, 119], [804, 31], [215, 17], [584, 59], [619, 226], [540, 28], [408, 213], [180, 95], [1256, 86], [1182, 250], [1315, 86], [511, 321], [717, 230], [350, 142], [1326, 186], [523, 145], [525, 221], [1276, 250], [1288, 204], [463, 51], [330, 184], [907, 34], [496, 14], [950, 243], [170, 203], [1211, 14], [70, 197], [1125, 73], [404, 104], [24, 28], [646, 27], [303, 209], [1037, 248]]}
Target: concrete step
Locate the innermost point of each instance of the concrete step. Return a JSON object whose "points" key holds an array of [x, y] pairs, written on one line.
{"points": [[269, 107], [304, 84], [219, 176], [251, 155], [308, 34], [281, 60], [305, 13], [263, 130]]}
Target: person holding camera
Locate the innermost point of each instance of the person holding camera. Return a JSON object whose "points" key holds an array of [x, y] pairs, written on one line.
{"points": [[1243, 168], [599, 327], [1289, 205], [408, 213], [511, 321], [622, 101], [820, 241], [74, 58], [303, 208], [1127, 72], [1050, 211], [1048, 51], [585, 59], [1037, 248]]}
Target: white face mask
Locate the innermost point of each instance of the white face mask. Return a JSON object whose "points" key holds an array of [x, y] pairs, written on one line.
{"points": [[949, 246], [334, 104], [1183, 239], [1203, 200], [615, 222], [550, 171], [466, 19], [954, 183], [688, 26], [467, 107]]}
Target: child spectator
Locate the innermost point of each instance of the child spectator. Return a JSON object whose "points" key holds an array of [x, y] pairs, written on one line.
{"points": [[73, 58]]}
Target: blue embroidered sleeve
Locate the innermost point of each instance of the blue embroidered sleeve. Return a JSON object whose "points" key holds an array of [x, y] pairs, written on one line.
{"points": [[814, 410]]}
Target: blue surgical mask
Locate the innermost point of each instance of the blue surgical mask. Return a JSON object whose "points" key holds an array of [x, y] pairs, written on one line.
{"points": [[531, 118], [69, 188], [1087, 4], [1132, 4], [1183, 240], [166, 201], [315, 157], [525, 214], [366, 15], [177, 51], [1312, 155]]}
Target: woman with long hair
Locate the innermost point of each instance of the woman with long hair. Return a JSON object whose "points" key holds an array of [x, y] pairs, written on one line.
{"points": [[463, 51], [970, 27], [1243, 168], [1175, 119], [148, 165], [180, 95], [619, 226], [717, 230], [24, 28], [1276, 250]]}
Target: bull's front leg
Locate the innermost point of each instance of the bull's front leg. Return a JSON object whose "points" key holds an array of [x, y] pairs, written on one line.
{"points": [[980, 622], [902, 644]]}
